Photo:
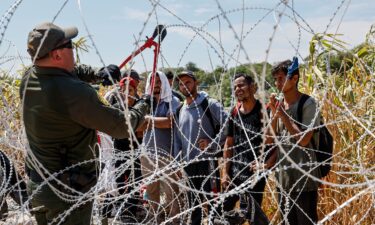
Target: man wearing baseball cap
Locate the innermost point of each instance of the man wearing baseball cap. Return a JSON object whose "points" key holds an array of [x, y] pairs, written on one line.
{"points": [[198, 139], [61, 114], [134, 75], [47, 37]]}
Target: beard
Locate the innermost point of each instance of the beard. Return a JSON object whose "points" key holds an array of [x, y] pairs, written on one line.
{"points": [[185, 93], [242, 97], [156, 91], [188, 93]]}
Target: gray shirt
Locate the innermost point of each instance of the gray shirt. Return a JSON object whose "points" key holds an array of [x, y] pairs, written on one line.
{"points": [[291, 179], [193, 125], [161, 138]]}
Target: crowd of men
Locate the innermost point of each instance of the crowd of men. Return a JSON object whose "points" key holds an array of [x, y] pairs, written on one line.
{"points": [[62, 114]]}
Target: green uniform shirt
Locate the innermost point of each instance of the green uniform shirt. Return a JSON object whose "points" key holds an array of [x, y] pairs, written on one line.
{"points": [[60, 111]]}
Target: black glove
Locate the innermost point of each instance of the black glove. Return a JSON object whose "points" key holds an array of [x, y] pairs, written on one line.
{"points": [[113, 70], [144, 104], [148, 99]]}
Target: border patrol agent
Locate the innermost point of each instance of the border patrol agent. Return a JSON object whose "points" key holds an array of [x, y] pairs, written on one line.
{"points": [[61, 113]]}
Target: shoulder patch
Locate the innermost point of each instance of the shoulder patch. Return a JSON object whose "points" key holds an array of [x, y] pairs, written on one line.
{"points": [[102, 100]]}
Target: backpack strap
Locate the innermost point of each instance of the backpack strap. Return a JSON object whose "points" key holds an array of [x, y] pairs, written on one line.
{"points": [[176, 115], [207, 112], [301, 102]]}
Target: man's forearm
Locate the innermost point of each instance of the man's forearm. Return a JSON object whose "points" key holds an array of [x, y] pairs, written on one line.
{"points": [[270, 162], [160, 122], [289, 125], [271, 131], [227, 162], [298, 135]]}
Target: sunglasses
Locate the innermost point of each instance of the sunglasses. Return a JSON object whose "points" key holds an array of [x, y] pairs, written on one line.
{"points": [[68, 44]]}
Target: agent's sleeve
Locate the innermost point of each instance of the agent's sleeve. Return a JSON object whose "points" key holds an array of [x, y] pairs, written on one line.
{"points": [[87, 109], [87, 73]]}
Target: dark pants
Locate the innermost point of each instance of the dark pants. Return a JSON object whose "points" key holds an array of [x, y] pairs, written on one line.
{"points": [[51, 209], [299, 204], [197, 175], [133, 202], [253, 201], [15, 185], [129, 205]]}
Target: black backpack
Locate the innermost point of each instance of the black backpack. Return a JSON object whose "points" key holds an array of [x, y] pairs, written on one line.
{"points": [[207, 112], [323, 149]]}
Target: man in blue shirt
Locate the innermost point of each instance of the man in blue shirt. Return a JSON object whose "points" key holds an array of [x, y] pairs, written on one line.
{"points": [[158, 143], [198, 138]]}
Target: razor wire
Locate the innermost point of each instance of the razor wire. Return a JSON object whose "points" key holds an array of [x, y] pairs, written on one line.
{"points": [[107, 194]]}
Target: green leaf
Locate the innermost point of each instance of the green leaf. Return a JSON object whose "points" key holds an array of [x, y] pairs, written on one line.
{"points": [[362, 52], [337, 102], [318, 73]]}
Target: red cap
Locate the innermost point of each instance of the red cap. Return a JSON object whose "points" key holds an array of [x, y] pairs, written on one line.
{"points": [[123, 82]]}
